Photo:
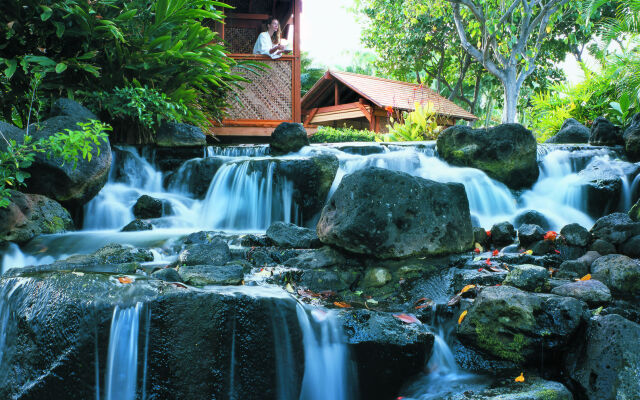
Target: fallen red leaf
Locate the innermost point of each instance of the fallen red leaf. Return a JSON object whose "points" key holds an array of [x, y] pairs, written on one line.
{"points": [[479, 269], [477, 250], [409, 319], [489, 233], [341, 304], [550, 235], [495, 252], [557, 251], [125, 279], [488, 261]]}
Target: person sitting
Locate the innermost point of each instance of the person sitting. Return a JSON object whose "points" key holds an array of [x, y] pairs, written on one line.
{"points": [[268, 42]]}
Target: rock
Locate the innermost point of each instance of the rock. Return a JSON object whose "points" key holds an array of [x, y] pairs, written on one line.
{"points": [[603, 180], [337, 280], [576, 235], [542, 247], [147, 207], [386, 351], [602, 247], [528, 277], [464, 277], [514, 325], [126, 167], [532, 217], [604, 133], [590, 257], [529, 233], [137, 225], [605, 363], [592, 292], [59, 180], [30, 215], [571, 131], [376, 277], [170, 159], [214, 253], [201, 275], [502, 234], [620, 273], [360, 148], [390, 214], [615, 228], [634, 212], [631, 247], [288, 235], [171, 134], [194, 176], [506, 152], [167, 274], [573, 269], [288, 138], [51, 347], [111, 254], [10, 132], [64, 107], [324, 257], [631, 139], [533, 388], [201, 237], [480, 236]]}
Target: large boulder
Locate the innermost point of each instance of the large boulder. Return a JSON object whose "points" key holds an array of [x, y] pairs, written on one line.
{"points": [[592, 292], [532, 217], [201, 275], [172, 134], [604, 133], [620, 273], [604, 181], [514, 325], [533, 388], [576, 235], [571, 131], [502, 233], [390, 214], [201, 343], [529, 234], [386, 351], [289, 235], [506, 152], [615, 228], [631, 139], [214, 253], [147, 207], [288, 138], [70, 185], [30, 215], [605, 363], [64, 107], [528, 277], [10, 132]]}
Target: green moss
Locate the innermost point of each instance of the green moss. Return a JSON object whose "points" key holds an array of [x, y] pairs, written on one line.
{"points": [[489, 339], [459, 154], [548, 394], [54, 225]]}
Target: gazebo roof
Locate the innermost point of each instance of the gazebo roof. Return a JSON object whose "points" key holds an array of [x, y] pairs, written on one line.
{"points": [[386, 92]]}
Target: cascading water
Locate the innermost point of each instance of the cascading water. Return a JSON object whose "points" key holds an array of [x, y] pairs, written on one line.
{"points": [[285, 366], [328, 372], [122, 361], [238, 151], [14, 258]]}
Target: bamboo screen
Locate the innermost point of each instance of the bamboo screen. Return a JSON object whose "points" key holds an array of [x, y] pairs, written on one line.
{"points": [[269, 94]]}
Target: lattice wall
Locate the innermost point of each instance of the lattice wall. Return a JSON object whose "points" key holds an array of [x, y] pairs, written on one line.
{"points": [[240, 40], [268, 96]]}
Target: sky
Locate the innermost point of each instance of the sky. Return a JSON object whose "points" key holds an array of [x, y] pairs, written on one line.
{"points": [[329, 31]]}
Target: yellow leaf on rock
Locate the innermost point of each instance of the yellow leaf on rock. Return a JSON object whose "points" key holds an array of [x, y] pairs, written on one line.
{"points": [[479, 247], [587, 277], [289, 288], [520, 378], [467, 288], [529, 252], [461, 318]]}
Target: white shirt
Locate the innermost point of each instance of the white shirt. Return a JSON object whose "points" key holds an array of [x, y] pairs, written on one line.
{"points": [[264, 45]]}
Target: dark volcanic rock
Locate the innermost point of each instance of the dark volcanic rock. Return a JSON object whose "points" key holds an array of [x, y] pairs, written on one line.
{"points": [[390, 214], [605, 363], [64, 107], [529, 233], [506, 152], [576, 235], [615, 228], [604, 133], [137, 225], [631, 139], [171, 134], [502, 234], [514, 325], [620, 273], [201, 275], [167, 274], [195, 175], [288, 138], [386, 351], [631, 247], [214, 253], [147, 207], [592, 292], [604, 182], [10, 132], [528, 277], [288, 235], [602, 247], [532, 217], [29, 215], [571, 131], [533, 388]]}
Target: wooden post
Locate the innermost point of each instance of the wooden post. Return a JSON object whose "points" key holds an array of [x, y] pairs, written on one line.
{"points": [[336, 93], [297, 111]]}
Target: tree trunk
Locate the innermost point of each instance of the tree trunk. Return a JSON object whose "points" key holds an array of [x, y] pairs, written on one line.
{"points": [[511, 92]]}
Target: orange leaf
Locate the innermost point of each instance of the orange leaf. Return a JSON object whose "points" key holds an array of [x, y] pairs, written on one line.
{"points": [[409, 319], [496, 252], [461, 317], [476, 250], [489, 233], [388, 109], [488, 261], [125, 279], [467, 288], [341, 304], [587, 277], [550, 235], [520, 378]]}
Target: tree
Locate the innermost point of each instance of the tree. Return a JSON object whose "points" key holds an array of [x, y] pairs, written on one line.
{"points": [[309, 74], [506, 38]]}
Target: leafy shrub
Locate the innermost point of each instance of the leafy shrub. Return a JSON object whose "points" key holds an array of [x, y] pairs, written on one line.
{"points": [[417, 125], [327, 134], [69, 145]]}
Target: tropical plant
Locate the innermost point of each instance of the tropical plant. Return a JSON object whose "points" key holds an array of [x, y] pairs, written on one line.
{"points": [[309, 74], [70, 146], [327, 134], [420, 124], [621, 111]]}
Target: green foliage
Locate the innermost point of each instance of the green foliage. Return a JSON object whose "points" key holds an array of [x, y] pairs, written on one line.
{"points": [[621, 111], [69, 146], [415, 126], [101, 46], [309, 74], [327, 134]]}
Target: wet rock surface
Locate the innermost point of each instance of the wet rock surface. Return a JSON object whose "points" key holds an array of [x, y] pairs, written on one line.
{"points": [[216, 252], [292, 236], [571, 131], [171, 134], [592, 292], [604, 133], [288, 138], [620, 273], [201, 275]]}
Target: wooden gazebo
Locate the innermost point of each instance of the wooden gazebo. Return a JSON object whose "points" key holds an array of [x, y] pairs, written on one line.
{"points": [[273, 96], [366, 102]]}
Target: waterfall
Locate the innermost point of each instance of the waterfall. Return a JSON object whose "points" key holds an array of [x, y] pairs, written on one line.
{"points": [[285, 366], [238, 151], [122, 359], [15, 258], [328, 371]]}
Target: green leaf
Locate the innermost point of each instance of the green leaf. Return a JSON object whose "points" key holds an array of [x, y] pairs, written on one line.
{"points": [[59, 28], [60, 68], [11, 67], [125, 16], [616, 106], [46, 14]]}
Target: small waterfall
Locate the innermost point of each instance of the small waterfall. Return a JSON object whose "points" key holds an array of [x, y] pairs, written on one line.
{"points": [[238, 151], [328, 371], [122, 361], [247, 196], [285, 366], [5, 312], [15, 258]]}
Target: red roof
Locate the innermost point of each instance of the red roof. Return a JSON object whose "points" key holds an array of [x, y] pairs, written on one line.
{"points": [[400, 95]]}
